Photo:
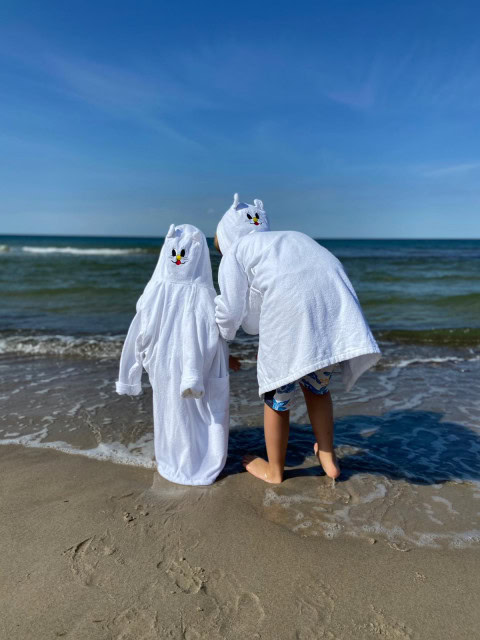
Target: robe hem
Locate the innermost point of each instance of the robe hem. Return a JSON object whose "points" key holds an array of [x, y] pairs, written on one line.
{"points": [[346, 355], [185, 481]]}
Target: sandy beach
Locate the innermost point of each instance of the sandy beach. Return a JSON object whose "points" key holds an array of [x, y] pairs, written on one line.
{"points": [[98, 550]]}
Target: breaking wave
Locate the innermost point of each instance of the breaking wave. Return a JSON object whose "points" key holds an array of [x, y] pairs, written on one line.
{"points": [[74, 251], [94, 346]]}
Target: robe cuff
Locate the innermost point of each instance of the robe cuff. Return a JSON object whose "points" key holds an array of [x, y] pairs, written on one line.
{"points": [[191, 388], [128, 389], [227, 334]]}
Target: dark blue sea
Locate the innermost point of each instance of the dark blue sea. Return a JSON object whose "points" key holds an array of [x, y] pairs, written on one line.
{"points": [[417, 291]]}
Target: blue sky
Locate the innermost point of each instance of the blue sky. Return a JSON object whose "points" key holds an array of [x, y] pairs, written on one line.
{"points": [[348, 119]]}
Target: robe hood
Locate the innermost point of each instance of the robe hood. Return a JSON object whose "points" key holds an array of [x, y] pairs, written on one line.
{"points": [[184, 259], [240, 220]]}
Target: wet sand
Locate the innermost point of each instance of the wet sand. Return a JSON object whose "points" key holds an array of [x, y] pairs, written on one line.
{"points": [[409, 450], [97, 550]]}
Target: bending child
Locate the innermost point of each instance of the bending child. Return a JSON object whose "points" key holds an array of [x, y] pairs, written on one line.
{"points": [[174, 337], [293, 293]]}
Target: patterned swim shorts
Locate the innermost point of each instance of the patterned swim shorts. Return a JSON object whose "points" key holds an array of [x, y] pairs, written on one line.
{"points": [[281, 399]]}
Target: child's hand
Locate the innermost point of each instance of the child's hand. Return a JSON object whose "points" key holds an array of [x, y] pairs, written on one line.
{"points": [[234, 363]]}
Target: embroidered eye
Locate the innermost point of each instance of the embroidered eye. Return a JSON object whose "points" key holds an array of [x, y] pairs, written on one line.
{"points": [[174, 253], [182, 253], [249, 216]]}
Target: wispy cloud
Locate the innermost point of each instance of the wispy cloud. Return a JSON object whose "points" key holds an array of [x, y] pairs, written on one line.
{"points": [[147, 100], [125, 94], [455, 169]]}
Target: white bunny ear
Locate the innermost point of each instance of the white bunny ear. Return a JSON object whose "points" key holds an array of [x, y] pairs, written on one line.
{"points": [[258, 204], [197, 236], [171, 231], [235, 200]]}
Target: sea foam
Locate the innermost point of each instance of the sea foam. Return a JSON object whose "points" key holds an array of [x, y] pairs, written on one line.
{"points": [[75, 251]]}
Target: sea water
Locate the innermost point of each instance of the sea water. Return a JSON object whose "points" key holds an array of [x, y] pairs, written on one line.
{"points": [[407, 434]]}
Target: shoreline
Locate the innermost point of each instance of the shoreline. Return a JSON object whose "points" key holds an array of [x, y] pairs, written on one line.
{"points": [[97, 550], [409, 455]]}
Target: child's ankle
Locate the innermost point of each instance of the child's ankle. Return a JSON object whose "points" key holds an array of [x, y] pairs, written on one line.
{"points": [[275, 473]]}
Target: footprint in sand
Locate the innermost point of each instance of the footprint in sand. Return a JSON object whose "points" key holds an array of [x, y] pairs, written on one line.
{"points": [[182, 631], [86, 557], [246, 616], [135, 624], [176, 542], [379, 625], [186, 578], [239, 613], [314, 612]]}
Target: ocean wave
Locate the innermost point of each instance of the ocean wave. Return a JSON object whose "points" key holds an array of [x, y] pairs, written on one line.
{"points": [[245, 347], [75, 251], [463, 337], [62, 345], [462, 300], [439, 360]]}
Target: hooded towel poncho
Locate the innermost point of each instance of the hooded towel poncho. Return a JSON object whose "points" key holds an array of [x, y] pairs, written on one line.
{"points": [[174, 337], [296, 295]]}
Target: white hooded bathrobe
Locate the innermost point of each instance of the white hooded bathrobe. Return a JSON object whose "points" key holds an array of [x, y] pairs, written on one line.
{"points": [[174, 337], [296, 295]]}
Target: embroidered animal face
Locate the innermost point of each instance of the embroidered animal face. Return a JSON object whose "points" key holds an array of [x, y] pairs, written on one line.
{"points": [[254, 218], [184, 246], [178, 256], [252, 212]]}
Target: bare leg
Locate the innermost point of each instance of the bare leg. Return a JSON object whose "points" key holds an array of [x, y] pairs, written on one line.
{"points": [[320, 412], [277, 424]]}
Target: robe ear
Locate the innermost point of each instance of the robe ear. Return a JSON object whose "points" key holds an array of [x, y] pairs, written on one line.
{"points": [[171, 231], [258, 204], [197, 236], [235, 200]]}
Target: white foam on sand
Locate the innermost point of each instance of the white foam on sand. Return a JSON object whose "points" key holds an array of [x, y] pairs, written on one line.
{"points": [[365, 507], [136, 454]]}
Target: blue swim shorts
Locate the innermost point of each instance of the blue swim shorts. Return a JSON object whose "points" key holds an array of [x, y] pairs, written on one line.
{"points": [[281, 399]]}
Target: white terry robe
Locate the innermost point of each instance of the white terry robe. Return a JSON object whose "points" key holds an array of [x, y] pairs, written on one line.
{"points": [[296, 295], [174, 337]]}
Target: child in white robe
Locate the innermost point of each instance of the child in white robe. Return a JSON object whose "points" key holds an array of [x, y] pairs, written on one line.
{"points": [[296, 295], [174, 337]]}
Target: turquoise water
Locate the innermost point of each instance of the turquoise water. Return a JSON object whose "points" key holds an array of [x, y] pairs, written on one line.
{"points": [[412, 291]]}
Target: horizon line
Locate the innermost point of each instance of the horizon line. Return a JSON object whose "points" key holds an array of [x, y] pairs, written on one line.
{"points": [[126, 237]]}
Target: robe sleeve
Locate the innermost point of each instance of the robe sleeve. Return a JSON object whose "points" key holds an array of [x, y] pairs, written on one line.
{"points": [[253, 307], [131, 368], [200, 338], [230, 304]]}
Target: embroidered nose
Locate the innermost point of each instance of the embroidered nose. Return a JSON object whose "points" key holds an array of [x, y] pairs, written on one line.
{"points": [[255, 221], [179, 261]]}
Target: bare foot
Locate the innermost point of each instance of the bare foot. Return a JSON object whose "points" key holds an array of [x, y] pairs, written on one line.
{"points": [[260, 468], [328, 461]]}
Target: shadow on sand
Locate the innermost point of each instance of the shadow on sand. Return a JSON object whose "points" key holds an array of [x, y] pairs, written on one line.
{"points": [[417, 446]]}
